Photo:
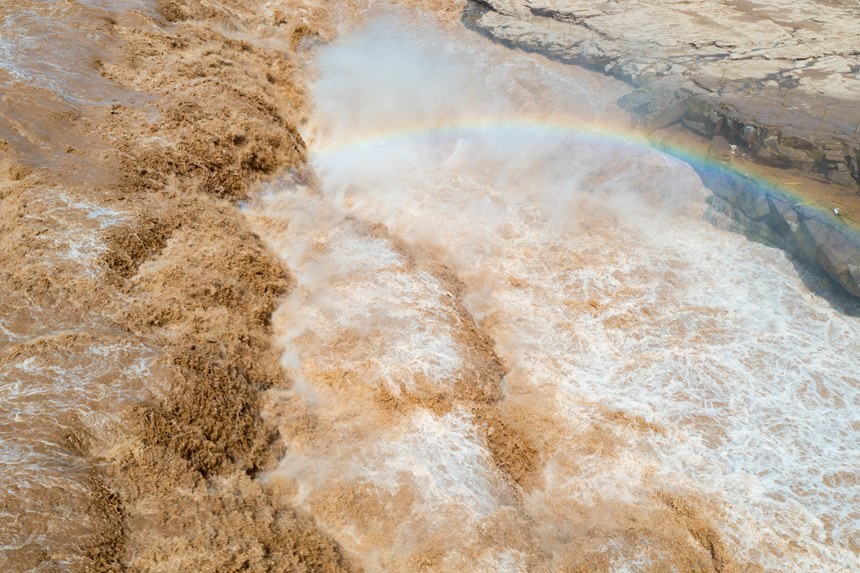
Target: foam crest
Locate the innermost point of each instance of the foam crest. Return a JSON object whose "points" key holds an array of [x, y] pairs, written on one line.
{"points": [[423, 486], [58, 393], [444, 461], [358, 297], [73, 229]]}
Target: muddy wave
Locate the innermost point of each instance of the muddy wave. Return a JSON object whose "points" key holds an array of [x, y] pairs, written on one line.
{"points": [[136, 301]]}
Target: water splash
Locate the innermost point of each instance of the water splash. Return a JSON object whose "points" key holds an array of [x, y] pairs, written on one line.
{"points": [[679, 382]]}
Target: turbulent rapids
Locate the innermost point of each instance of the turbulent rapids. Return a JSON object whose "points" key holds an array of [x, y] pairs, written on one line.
{"points": [[505, 337], [652, 377]]}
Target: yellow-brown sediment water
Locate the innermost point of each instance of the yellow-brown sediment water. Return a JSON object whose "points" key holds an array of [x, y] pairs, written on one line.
{"points": [[484, 327], [515, 345]]}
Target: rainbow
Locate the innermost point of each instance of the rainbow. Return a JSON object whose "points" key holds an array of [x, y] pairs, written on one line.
{"points": [[767, 180]]}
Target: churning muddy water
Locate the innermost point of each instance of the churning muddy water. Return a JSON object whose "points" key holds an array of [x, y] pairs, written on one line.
{"points": [[62, 368], [515, 345], [508, 338]]}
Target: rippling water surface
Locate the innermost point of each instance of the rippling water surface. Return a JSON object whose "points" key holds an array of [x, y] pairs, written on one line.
{"points": [[65, 373]]}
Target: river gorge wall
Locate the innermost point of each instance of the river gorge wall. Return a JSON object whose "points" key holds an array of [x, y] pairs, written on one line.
{"points": [[769, 90]]}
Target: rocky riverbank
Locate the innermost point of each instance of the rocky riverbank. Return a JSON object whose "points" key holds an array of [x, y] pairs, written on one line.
{"points": [[769, 89]]}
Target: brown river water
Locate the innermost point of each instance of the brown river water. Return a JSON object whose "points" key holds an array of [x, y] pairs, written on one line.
{"points": [[291, 286]]}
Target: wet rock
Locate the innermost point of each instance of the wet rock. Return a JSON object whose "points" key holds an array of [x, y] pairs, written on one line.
{"points": [[656, 107], [743, 193], [780, 91], [785, 219], [721, 149], [836, 249]]}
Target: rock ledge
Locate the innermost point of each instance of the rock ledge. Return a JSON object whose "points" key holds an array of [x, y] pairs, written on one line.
{"points": [[769, 87]]}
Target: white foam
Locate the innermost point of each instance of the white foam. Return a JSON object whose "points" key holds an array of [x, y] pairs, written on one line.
{"points": [[507, 561], [442, 463], [591, 268], [74, 227], [55, 48], [445, 460], [622, 562], [356, 285], [45, 391]]}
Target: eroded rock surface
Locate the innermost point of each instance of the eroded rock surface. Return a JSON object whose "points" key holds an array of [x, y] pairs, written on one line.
{"points": [[776, 80]]}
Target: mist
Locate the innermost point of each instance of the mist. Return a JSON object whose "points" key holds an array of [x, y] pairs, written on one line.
{"points": [[517, 347]]}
